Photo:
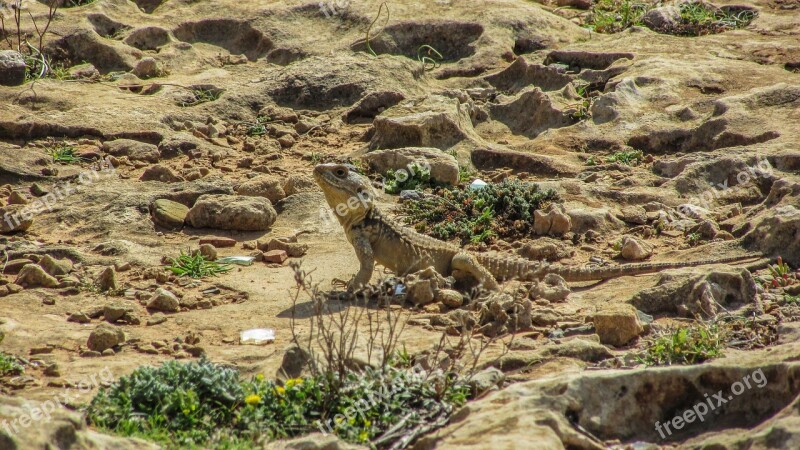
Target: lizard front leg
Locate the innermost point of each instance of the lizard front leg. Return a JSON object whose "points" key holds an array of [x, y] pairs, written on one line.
{"points": [[366, 258]]}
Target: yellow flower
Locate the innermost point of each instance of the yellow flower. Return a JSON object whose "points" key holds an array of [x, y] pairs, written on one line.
{"points": [[280, 390], [293, 382], [252, 399], [363, 436], [260, 377]]}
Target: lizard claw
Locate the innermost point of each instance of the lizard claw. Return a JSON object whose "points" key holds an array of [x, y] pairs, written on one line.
{"points": [[339, 283]]}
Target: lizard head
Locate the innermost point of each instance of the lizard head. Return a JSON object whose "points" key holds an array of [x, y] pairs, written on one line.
{"points": [[348, 193]]}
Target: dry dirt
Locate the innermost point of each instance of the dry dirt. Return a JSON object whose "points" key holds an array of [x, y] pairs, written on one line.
{"points": [[703, 110]]}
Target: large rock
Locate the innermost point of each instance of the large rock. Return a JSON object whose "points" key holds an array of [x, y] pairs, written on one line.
{"points": [[635, 249], [435, 121], [55, 267], [33, 276], [163, 300], [529, 113], [104, 337], [12, 68], [267, 186], [773, 231], [617, 324], [230, 212], [57, 427], [313, 441], [662, 19], [134, 150], [168, 214], [443, 167], [583, 410], [14, 218], [693, 292], [160, 173]]}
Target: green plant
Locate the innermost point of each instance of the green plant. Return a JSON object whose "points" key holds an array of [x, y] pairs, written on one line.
{"points": [[699, 18], [9, 365], [414, 177], [64, 154], [475, 215], [466, 174], [367, 38], [195, 265], [258, 128], [685, 345], [791, 299], [629, 157], [200, 95], [694, 239], [613, 16], [593, 161]]}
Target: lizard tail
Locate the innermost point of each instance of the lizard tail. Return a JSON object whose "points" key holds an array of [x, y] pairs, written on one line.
{"points": [[604, 273]]}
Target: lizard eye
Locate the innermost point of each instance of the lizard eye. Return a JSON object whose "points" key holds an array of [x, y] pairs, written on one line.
{"points": [[341, 173]]}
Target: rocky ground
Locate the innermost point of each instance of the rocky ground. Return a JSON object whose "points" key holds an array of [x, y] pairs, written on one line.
{"points": [[199, 123]]}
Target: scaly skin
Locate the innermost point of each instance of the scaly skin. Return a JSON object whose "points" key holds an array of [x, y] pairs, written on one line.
{"points": [[377, 238]]}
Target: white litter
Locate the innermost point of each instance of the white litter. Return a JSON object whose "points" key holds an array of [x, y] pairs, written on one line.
{"points": [[240, 260], [257, 336], [478, 184]]}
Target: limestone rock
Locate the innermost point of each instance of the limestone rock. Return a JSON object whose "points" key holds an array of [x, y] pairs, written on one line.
{"points": [[267, 186], [297, 183], [14, 218], [104, 337], [33, 276], [443, 167], [168, 214], [229, 212], [134, 150], [450, 298], [107, 280], [552, 220], [163, 300], [160, 173], [422, 286], [634, 249], [617, 324], [55, 267], [662, 19], [12, 68]]}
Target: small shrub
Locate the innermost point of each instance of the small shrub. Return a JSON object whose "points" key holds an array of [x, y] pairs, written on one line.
{"points": [[9, 365], [195, 265], [64, 154], [258, 128], [200, 95], [416, 177], [685, 345], [475, 215], [629, 157]]}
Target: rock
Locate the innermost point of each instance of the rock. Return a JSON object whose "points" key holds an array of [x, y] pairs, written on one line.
{"points": [[552, 287], [163, 300], [108, 352], [617, 324], [208, 251], [663, 19], [12, 68], [104, 337], [634, 249], [156, 319], [293, 249], [552, 220], [450, 298], [577, 348], [13, 266], [267, 186], [483, 381], [275, 256], [773, 231], [113, 312], [229, 212], [160, 173], [55, 267], [693, 292], [16, 198], [634, 214], [313, 441], [371, 105], [134, 150], [57, 426], [296, 184], [38, 190], [443, 167], [107, 280], [435, 121], [422, 286], [78, 317], [218, 241], [168, 214], [286, 141], [529, 113], [14, 218], [147, 68], [33, 276], [295, 363]]}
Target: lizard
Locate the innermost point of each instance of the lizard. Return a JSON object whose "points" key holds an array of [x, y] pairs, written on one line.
{"points": [[379, 238]]}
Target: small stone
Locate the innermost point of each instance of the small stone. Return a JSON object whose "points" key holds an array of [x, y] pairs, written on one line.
{"points": [[108, 352], [286, 141], [194, 350], [450, 298], [218, 241], [164, 300], [32, 276], [107, 280], [293, 249], [617, 324], [12, 68], [41, 350], [78, 317], [123, 267], [168, 214], [275, 256], [634, 214], [13, 266], [634, 249], [90, 354], [15, 218], [148, 349], [160, 173], [55, 267], [147, 68], [15, 198], [52, 370], [208, 251], [105, 337], [115, 311], [156, 319]]}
